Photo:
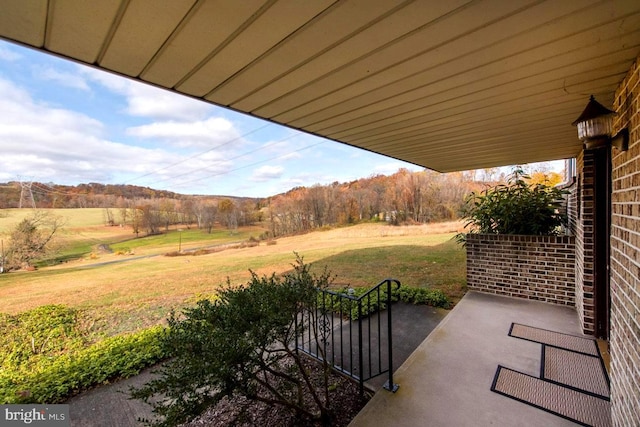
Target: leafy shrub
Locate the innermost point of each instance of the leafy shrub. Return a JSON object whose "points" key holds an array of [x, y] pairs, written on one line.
{"points": [[241, 344], [516, 208], [418, 296]]}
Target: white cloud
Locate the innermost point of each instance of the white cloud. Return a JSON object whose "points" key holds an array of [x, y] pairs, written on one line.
{"points": [[74, 81], [147, 101], [110, 81], [205, 133], [7, 54], [54, 144], [393, 167], [266, 173], [291, 156]]}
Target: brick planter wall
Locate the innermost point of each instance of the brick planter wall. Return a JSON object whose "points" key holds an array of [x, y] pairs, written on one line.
{"points": [[538, 268]]}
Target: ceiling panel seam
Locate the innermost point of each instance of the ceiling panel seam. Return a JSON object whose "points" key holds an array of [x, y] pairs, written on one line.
{"points": [[486, 115], [226, 42], [46, 39], [395, 64], [444, 125], [560, 80], [183, 22], [483, 147], [462, 130], [122, 9], [429, 139], [366, 55], [316, 55], [273, 48], [433, 82], [472, 105]]}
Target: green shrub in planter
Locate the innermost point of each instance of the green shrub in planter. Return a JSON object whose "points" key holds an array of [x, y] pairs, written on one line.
{"points": [[516, 208]]}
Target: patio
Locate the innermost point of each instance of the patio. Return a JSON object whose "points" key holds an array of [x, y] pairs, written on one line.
{"points": [[447, 380]]}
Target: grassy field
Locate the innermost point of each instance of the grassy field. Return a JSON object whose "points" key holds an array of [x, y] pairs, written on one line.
{"points": [[128, 292]]}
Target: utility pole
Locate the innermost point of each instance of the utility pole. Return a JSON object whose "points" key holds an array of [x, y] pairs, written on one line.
{"points": [[26, 188]]}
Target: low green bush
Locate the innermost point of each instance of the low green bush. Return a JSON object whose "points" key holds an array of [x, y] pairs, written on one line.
{"points": [[373, 303], [46, 355], [435, 298], [48, 330]]}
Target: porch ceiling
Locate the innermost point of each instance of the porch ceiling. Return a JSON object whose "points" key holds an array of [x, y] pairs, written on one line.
{"points": [[449, 85]]}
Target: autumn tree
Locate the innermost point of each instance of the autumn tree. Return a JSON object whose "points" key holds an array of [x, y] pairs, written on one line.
{"points": [[151, 219], [228, 213], [32, 240]]}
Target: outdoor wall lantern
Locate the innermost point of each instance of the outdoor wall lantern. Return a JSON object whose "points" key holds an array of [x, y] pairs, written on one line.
{"points": [[595, 126]]}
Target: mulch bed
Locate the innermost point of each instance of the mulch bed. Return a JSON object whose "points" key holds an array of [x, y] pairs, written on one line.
{"points": [[345, 403]]}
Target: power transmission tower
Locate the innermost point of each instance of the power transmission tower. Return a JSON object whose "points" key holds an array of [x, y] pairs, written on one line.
{"points": [[26, 194]]}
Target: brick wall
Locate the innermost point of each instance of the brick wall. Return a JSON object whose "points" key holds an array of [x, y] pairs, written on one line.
{"points": [[533, 267], [625, 258]]}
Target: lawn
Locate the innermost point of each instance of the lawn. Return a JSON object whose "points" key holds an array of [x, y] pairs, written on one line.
{"points": [[129, 292]]}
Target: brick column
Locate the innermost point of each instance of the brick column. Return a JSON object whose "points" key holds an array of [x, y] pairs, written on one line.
{"points": [[585, 278]]}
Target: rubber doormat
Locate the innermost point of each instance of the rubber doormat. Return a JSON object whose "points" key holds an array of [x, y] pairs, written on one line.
{"points": [[573, 382], [582, 408], [580, 371], [555, 339]]}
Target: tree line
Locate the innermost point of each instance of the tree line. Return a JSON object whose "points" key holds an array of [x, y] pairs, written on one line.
{"points": [[403, 197]]}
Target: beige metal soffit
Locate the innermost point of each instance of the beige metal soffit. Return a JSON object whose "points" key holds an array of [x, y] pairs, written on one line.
{"points": [[447, 85]]}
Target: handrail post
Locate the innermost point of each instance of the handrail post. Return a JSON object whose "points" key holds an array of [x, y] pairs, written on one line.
{"points": [[389, 385], [315, 320], [295, 326], [360, 355]]}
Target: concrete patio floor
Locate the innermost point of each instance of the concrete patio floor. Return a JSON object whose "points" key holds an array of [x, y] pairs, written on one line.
{"points": [[446, 381]]}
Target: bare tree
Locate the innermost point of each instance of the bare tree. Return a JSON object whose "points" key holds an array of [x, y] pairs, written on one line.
{"points": [[108, 217], [135, 217]]}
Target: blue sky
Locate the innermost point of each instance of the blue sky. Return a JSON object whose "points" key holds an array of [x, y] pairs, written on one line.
{"points": [[65, 123]]}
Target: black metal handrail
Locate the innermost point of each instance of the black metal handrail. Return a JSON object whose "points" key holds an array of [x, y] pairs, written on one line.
{"points": [[342, 329]]}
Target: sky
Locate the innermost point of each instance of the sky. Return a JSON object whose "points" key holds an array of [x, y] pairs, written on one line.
{"points": [[65, 123]]}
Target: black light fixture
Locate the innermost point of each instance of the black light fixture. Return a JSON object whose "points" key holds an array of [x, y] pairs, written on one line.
{"points": [[595, 126]]}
